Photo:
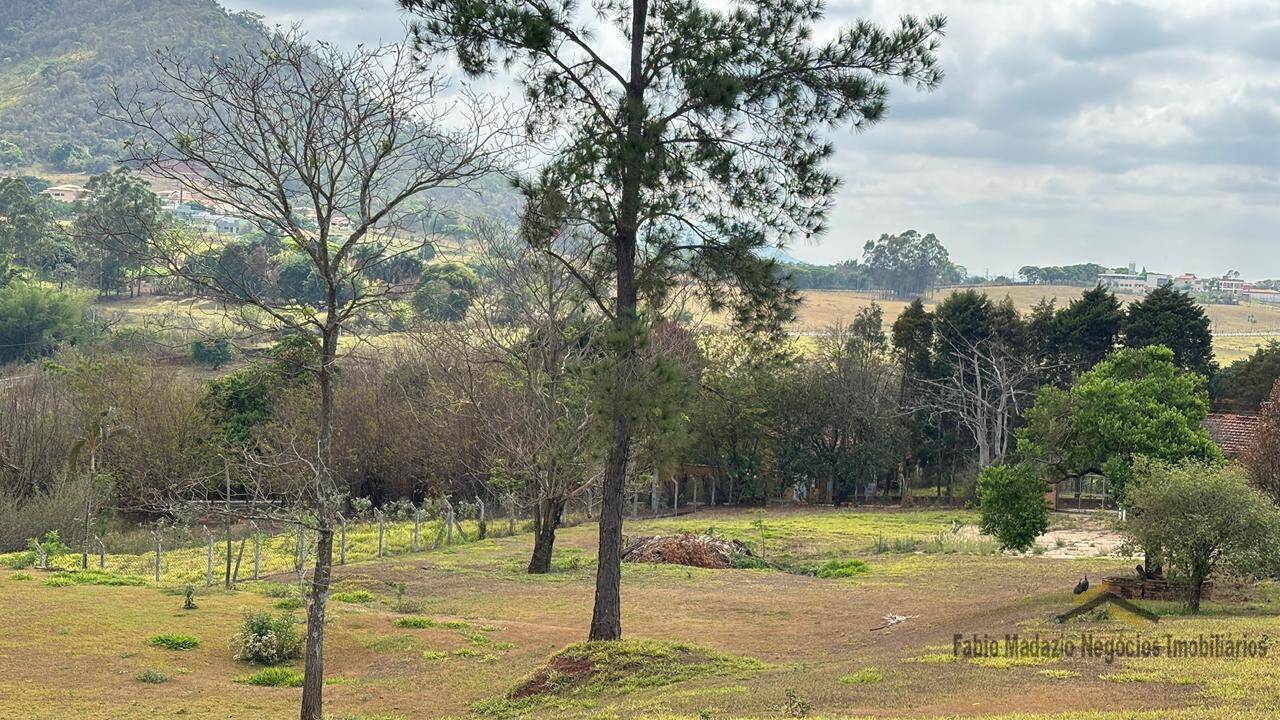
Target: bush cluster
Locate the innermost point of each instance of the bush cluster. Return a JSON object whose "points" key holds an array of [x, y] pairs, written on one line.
{"points": [[267, 639]]}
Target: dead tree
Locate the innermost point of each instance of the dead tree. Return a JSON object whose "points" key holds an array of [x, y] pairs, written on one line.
{"points": [[334, 153], [985, 392]]}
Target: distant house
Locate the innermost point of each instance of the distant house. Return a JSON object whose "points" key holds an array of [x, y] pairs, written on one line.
{"points": [[1156, 280], [170, 199], [1231, 286], [1232, 431], [1261, 294], [65, 193], [1133, 282]]}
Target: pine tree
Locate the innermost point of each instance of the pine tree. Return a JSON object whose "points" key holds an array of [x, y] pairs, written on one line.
{"points": [[682, 163], [1174, 319]]}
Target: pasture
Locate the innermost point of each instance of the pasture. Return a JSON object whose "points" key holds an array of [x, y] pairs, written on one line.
{"points": [[449, 632], [821, 310]]}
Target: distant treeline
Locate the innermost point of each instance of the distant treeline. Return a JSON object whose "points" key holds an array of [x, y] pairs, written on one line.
{"points": [[1078, 274], [855, 275], [906, 265]]}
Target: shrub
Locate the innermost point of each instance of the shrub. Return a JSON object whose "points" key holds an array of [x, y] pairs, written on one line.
{"points": [[1012, 505], [214, 352], [276, 677], [20, 576], [841, 569], [153, 677], [171, 641], [189, 597], [353, 596], [290, 603], [267, 639]]}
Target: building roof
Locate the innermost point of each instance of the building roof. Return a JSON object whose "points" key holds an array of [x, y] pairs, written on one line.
{"points": [[1232, 431]]}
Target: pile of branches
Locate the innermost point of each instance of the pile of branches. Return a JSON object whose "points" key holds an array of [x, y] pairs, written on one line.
{"points": [[704, 551]]}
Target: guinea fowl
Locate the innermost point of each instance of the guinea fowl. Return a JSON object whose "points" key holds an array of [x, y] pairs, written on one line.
{"points": [[1082, 585]]}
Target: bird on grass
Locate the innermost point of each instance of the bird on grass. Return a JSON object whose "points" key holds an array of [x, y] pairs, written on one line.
{"points": [[1082, 585]]}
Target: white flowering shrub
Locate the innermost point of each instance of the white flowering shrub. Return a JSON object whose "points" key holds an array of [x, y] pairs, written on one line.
{"points": [[267, 639]]}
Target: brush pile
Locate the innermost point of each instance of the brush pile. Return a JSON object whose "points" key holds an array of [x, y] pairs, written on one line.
{"points": [[704, 551]]}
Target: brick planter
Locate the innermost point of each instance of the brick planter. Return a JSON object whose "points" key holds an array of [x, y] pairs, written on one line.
{"points": [[1138, 589]]}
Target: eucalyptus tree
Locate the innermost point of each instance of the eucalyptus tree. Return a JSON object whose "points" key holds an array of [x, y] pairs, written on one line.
{"points": [[684, 136], [333, 152]]}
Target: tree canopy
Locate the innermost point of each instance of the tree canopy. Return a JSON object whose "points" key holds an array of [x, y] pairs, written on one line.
{"points": [[34, 318], [1172, 318], [1137, 402], [906, 264], [1245, 384], [1195, 516], [1088, 328]]}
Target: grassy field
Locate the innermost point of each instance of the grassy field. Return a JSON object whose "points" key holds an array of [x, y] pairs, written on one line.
{"points": [[722, 643], [189, 319], [824, 309]]}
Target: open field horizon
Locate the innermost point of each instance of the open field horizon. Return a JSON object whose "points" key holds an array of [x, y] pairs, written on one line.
{"points": [[820, 311]]}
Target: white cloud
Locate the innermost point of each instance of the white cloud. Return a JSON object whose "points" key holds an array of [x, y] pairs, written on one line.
{"points": [[1065, 131]]}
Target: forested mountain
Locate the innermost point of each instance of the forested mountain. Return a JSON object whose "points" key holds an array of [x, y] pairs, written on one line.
{"points": [[59, 57]]}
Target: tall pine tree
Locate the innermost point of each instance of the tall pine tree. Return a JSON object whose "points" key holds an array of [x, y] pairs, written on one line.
{"points": [[678, 158]]}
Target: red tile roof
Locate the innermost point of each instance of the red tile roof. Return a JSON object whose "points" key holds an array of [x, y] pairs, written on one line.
{"points": [[1232, 431]]}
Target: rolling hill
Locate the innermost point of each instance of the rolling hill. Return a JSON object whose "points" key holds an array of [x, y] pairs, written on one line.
{"points": [[59, 58]]}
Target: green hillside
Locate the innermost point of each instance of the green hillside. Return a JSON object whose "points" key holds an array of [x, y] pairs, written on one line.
{"points": [[59, 58]]}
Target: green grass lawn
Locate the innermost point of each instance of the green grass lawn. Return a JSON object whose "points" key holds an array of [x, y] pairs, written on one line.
{"points": [[451, 632]]}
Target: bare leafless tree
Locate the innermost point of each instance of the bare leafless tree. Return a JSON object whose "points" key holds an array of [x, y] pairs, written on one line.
{"points": [[521, 360], [334, 152], [985, 392]]}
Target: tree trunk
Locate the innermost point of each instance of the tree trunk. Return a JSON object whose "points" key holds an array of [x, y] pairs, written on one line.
{"points": [[1194, 591], [606, 617], [322, 492], [313, 683], [546, 519]]}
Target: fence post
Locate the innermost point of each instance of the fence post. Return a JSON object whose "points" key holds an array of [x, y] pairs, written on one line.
{"points": [[257, 550], [102, 553], [208, 573], [511, 515], [483, 529], [448, 522], [417, 521], [159, 553], [382, 532], [342, 540]]}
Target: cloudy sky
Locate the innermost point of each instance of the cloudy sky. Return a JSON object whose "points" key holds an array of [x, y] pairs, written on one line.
{"points": [[1066, 131]]}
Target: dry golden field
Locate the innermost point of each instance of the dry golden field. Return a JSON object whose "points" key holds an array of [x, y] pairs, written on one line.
{"points": [[823, 309]]}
